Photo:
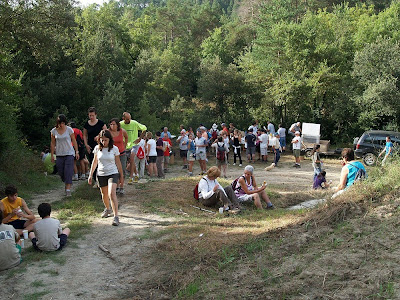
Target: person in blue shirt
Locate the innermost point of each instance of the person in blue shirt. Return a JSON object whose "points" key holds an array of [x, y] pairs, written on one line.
{"points": [[166, 132], [349, 171], [388, 150]]}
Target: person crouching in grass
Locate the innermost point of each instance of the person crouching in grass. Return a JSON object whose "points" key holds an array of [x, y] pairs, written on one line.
{"points": [[14, 209], [47, 233]]}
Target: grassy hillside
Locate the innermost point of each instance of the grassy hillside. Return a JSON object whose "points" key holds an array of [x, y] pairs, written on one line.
{"points": [[345, 249]]}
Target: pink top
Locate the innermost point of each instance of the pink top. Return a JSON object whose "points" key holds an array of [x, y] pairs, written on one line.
{"points": [[119, 142]]}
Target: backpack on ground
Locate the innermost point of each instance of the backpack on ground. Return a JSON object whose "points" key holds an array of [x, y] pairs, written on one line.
{"points": [[140, 153], [196, 190], [221, 151]]}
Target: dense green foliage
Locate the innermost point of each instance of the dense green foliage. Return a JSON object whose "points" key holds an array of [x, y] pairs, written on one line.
{"points": [[188, 62]]}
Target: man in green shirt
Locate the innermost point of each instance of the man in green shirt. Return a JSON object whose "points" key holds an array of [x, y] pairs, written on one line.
{"points": [[132, 127]]}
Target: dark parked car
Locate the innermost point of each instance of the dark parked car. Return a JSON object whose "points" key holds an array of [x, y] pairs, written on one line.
{"points": [[372, 142]]}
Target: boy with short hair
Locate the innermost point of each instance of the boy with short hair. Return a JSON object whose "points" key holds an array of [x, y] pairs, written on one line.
{"points": [[47, 233], [14, 208], [10, 251]]}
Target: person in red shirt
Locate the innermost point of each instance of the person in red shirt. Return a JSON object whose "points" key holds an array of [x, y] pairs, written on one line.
{"points": [[167, 149], [224, 128]]}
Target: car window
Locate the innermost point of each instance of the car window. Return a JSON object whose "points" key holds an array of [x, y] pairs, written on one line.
{"points": [[368, 139], [380, 140]]}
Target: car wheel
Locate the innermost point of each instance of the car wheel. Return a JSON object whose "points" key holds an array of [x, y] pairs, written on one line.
{"points": [[308, 153], [369, 159]]}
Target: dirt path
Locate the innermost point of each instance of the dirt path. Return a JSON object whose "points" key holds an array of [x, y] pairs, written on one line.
{"points": [[88, 272]]}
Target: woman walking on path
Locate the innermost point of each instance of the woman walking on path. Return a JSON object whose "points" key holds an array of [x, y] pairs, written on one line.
{"points": [[62, 139], [120, 137], [91, 130], [106, 157]]}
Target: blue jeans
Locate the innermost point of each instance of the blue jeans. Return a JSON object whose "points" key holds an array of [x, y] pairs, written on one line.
{"points": [[277, 156]]}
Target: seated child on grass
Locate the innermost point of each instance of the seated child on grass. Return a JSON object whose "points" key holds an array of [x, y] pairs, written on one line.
{"points": [[10, 251], [14, 209], [47, 233], [319, 180]]}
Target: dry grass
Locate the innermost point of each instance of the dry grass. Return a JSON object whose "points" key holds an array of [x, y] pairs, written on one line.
{"points": [[273, 247]]}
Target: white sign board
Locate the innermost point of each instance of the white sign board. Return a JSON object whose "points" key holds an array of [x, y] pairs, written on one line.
{"points": [[311, 132], [311, 129]]}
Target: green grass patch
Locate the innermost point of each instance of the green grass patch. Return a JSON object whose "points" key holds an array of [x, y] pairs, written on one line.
{"points": [[37, 283], [35, 296], [31, 255], [191, 289], [78, 211], [153, 204]]}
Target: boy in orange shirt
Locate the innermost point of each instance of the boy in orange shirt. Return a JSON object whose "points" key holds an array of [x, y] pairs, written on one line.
{"points": [[14, 208]]}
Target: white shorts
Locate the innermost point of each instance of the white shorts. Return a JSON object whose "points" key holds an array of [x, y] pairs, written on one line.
{"points": [[264, 151], [245, 198], [201, 156]]}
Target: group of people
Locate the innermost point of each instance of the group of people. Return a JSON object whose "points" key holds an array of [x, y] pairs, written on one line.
{"points": [[111, 150], [17, 220]]}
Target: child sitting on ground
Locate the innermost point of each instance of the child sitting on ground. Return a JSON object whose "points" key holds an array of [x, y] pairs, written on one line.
{"points": [[47, 233], [319, 180], [14, 208], [10, 251]]}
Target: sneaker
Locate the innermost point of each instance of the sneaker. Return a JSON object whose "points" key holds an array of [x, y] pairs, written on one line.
{"points": [[68, 193], [106, 213], [83, 177], [136, 179], [117, 191], [75, 177], [121, 191], [234, 164], [184, 167], [240, 165], [271, 206], [190, 173], [115, 221], [130, 181]]}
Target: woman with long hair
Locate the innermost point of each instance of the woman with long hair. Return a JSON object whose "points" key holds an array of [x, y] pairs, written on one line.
{"points": [[106, 158], [62, 139], [120, 137]]}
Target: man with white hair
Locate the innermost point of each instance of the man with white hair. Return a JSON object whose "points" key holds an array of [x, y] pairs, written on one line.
{"points": [[245, 188], [166, 132]]}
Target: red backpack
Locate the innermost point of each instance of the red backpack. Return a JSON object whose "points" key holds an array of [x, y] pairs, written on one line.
{"points": [[140, 153], [196, 190], [221, 151]]}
